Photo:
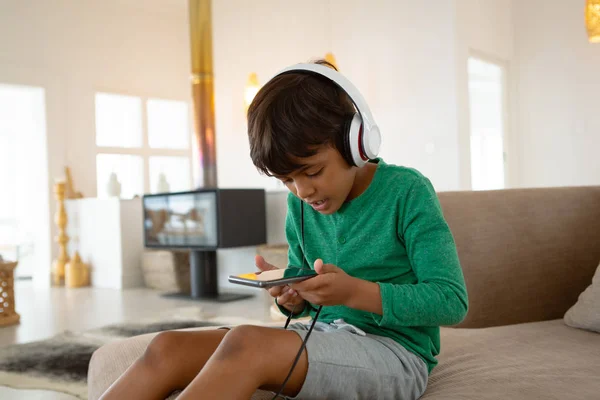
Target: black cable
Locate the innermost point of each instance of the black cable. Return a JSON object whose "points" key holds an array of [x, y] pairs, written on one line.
{"points": [[298, 355], [289, 318]]}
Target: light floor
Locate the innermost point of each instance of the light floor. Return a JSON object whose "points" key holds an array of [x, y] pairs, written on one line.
{"points": [[49, 311]]}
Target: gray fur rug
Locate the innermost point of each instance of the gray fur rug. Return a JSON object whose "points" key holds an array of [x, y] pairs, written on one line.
{"points": [[60, 363]]}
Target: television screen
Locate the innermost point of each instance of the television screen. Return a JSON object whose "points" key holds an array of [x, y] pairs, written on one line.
{"points": [[187, 220]]}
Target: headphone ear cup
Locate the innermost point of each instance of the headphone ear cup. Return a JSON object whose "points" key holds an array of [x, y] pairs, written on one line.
{"points": [[347, 153], [355, 141]]}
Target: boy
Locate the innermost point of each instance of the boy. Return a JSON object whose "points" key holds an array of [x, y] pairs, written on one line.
{"points": [[388, 271]]}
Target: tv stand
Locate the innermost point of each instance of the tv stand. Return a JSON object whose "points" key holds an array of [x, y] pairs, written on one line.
{"points": [[203, 279]]}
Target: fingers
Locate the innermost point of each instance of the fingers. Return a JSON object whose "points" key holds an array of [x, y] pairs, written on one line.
{"points": [[289, 298], [277, 291], [286, 297], [309, 284], [262, 264], [319, 266], [322, 268]]}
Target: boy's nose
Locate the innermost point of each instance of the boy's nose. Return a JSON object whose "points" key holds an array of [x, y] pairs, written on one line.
{"points": [[304, 191]]}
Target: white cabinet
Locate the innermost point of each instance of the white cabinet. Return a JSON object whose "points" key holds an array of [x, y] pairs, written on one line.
{"points": [[108, 234]]}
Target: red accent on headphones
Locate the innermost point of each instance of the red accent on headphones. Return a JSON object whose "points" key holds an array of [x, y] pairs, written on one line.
{"points": [[361, 147]]}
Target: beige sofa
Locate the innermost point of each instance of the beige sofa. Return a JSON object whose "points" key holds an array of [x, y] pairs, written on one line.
{"points": [[527, 254]]}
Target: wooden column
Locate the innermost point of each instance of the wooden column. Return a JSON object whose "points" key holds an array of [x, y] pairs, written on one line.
{"points": [[200, 14]]}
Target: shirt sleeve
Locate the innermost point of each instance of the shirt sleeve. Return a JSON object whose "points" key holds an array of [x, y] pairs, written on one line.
{"points": [[439, 296]]}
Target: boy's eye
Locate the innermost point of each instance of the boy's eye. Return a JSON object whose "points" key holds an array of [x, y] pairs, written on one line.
{"points": [[315, 174]]}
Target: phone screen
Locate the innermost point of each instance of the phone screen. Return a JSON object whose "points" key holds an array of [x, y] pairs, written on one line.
{"points": [[264, 275], [276, 274], [273, 277], [292, 272]]}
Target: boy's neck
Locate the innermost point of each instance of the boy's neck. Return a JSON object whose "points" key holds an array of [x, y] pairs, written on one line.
{"points": [[362, 180]]}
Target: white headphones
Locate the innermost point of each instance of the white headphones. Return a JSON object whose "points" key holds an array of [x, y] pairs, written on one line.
{"points": [[362, 138]]}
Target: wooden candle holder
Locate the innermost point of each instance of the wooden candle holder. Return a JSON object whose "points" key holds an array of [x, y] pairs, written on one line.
{"points": [[60, 218], [8, 315]]}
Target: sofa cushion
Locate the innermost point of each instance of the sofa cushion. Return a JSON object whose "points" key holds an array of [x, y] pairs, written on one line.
{"points": [[540, 360], [585, 314]]}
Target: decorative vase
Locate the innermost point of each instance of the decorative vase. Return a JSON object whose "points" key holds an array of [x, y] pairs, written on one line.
{"points": [[113, 186], [77, 272], [163, 185]]}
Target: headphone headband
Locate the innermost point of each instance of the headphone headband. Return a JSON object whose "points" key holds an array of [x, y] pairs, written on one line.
{"points": [[345, 84]]}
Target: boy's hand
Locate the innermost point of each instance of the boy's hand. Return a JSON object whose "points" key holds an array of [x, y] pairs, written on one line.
{"points": [[286, 297], [331, 287]]}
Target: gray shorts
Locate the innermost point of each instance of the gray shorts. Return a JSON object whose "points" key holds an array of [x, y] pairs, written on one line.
{"points": [[348, 364]]}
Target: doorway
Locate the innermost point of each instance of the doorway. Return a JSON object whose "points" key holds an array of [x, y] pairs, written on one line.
{"points": [[487, 110]]}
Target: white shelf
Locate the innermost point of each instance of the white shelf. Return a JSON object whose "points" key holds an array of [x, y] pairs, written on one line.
{"points": [[108, 233]]}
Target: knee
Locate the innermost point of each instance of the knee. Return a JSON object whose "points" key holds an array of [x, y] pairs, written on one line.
{"points": [[160, 349], [241, 342]]}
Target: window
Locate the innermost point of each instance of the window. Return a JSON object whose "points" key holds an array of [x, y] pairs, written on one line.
{"points": [[168, 126], [176, 171], [129, 170], [146, 156], [118, 121]]}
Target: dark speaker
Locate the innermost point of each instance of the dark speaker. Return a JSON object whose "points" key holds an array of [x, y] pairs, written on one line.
{"points": [[203, 221], [242, 217]]}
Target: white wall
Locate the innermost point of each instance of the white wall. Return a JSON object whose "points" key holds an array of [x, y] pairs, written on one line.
{"points": [[407, 57], [484, 29], [558, 94], [400, 54]]}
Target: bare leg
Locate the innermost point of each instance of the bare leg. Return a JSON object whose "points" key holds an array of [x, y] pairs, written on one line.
{"points": [[170, 363], [249, 358]]}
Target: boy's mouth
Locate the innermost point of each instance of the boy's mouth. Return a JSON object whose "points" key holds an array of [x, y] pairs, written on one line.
{"points": [[319, 205]]}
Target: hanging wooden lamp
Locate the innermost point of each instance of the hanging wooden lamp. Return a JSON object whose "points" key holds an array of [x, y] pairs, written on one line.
{"points": [[592, 20]]}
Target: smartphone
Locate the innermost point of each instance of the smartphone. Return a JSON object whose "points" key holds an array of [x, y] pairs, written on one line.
{"points": [[275, 277]]}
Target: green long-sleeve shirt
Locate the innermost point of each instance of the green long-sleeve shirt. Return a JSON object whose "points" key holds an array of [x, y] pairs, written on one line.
{"points": [[393, 234]]}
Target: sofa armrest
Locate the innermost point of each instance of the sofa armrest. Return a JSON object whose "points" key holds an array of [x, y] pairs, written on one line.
{"points": [[111, 361]]}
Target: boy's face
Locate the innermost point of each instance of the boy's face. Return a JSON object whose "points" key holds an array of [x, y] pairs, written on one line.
{"points": [[324, 182]]}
